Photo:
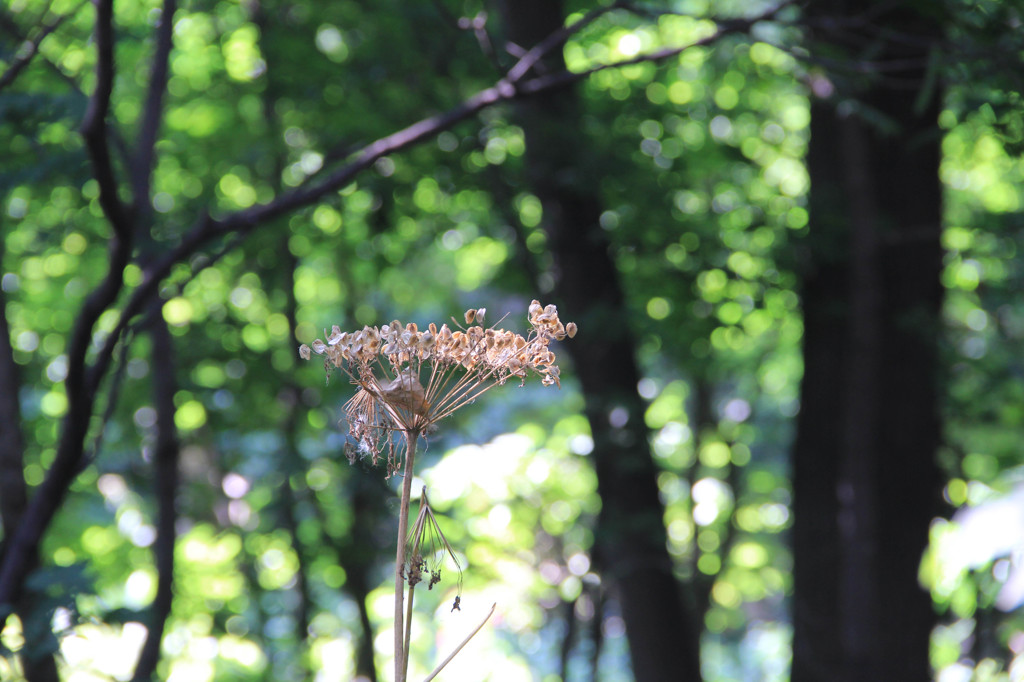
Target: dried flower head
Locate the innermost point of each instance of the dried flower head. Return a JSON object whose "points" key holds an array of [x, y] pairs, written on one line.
{"points": [[426, 547], [410, 379]]}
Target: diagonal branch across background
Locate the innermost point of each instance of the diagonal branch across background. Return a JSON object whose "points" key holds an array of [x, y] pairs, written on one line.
{"points": [[244, 221], [84, 378]]}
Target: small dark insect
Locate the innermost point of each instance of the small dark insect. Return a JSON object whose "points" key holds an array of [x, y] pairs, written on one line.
{"points": [[455, 606]]}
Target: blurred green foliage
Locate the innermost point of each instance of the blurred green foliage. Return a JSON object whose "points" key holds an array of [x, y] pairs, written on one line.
{"points": [[701, 161]]}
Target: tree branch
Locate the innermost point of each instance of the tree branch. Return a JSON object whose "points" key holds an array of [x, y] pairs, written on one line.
{"points": [[244, 221], [478, 25], [112, 394], [59, 71], [82, 382], [94, 124], [543, 48], [22, 547], [31, 48], [152, 115]]}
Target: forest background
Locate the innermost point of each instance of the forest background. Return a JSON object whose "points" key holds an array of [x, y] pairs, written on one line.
{"points": [[791, 237]]}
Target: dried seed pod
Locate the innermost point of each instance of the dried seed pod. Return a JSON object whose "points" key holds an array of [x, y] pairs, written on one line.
{"points": [[388, 362], [406, 392]]}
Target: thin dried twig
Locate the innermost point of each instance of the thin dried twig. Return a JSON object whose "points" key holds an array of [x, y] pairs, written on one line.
{"points": [[462, 644]]}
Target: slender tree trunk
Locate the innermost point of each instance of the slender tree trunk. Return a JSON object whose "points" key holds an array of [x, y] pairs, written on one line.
{"points": [[292, 464], [291, 461], [12, 445], [357, 552], [866, 482], [631, 544], [38, 668], [165, 483]]}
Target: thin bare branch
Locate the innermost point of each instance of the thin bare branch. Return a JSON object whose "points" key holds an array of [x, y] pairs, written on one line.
{"points": [[31, 47], [60, 72], [478, 25], [541, 49], [541, 84], [113, 392], [152, 114], [94, 124]]}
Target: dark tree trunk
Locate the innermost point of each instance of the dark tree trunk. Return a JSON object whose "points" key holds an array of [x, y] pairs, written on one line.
{"points": [[12, 446], [39, 667], [357, 552], [630, 538], [165, 483], [866, 482]]}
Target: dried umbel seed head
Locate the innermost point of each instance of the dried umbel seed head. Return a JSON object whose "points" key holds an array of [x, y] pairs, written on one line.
{"points": [[406, 391], [410, 379], [535, 309]]}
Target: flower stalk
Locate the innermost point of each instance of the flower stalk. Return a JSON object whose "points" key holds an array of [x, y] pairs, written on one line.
{"points": [[407, 381], [401, 652]]}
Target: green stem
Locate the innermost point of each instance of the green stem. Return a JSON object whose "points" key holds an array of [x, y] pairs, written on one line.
{"points": [[403, 529]]}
